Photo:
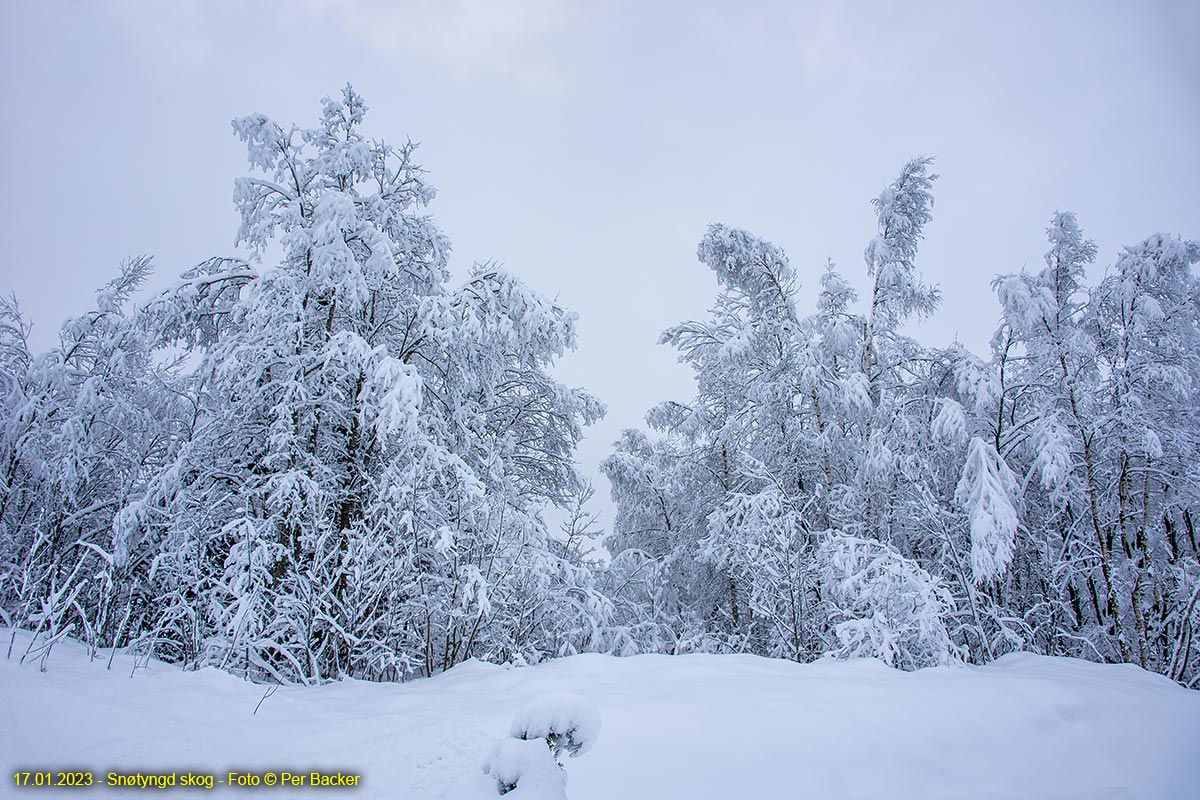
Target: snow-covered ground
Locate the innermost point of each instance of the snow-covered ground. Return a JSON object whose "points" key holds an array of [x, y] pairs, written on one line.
{"points": [[692, 727]]}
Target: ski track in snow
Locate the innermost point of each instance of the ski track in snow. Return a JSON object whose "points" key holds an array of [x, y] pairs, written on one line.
{"points": [[697, 726]]}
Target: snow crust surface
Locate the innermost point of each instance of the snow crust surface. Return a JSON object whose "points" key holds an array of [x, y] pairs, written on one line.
{"points": [[695, 727]]}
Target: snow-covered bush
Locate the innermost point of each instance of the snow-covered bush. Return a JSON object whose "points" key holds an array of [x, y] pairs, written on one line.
{"points": [[885, 605], [527, 765], [568, 723], [515, 769]]}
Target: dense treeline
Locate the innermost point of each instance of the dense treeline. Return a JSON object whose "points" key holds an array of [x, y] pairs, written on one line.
{"points": [[835, 486], [337, 464]]}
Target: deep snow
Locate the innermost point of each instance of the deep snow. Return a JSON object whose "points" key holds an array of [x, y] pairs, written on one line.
{"points": [[696, 726]]}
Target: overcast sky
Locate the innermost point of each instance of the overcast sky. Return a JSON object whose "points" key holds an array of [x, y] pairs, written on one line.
{"points": [[586, 145]]}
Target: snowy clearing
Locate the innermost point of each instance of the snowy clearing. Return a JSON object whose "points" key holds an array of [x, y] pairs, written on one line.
{"points": [[697, 726]]}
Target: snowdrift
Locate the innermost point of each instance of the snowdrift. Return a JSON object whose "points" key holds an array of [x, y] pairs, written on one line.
{"points": [[694, 727]]}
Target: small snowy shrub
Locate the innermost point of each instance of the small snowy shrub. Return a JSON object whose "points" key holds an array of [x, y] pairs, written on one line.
{"points": [[516, 770], [526, 770], [885, 605], [567, 722], [527, 766]]}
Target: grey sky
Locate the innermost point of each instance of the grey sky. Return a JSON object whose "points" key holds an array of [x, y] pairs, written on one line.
{"points": [[586, 145]]}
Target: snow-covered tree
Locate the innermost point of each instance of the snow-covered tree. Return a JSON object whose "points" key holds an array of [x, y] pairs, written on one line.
{"points": [[1147, 328], [829, 463], [86, 425], [334, 464]]}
